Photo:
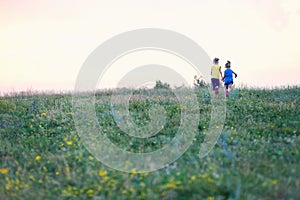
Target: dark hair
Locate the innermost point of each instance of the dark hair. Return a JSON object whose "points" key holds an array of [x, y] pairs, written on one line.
{"points": [[227, 65], [216, 60]]}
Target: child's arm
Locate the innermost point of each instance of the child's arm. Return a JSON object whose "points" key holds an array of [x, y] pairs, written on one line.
{"points": [[220, 71], [223, 77], [234, 74]]}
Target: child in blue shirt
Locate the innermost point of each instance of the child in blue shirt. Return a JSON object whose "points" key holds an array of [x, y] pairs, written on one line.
{"points": [[228, 78]]}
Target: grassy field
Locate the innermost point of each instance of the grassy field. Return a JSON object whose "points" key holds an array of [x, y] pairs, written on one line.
{"points": [[256, 157]]}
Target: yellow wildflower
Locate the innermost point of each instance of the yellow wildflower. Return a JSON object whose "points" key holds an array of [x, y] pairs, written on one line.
{"points": [[193, 178], [210, 180], [102, 173], [90, 192], [43, 114], [99, 188], [91, 158], [133, 171], [170, 185], [69, 143], [37, 158], [273, 182], [105, 178], [4, 171], [203, 176], [7, 187], [210, 198]]}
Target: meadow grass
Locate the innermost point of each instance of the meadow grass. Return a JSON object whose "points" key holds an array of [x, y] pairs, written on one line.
{"points": [[256, 157]]}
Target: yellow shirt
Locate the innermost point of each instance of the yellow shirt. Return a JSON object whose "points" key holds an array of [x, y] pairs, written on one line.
{"points": [[215, 71]]}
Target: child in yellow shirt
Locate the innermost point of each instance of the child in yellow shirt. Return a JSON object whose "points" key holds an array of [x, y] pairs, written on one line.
{"points": [[215, 75]]}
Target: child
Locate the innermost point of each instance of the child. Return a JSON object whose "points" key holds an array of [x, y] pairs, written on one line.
{"points": [[215, 75], [228, 79]]}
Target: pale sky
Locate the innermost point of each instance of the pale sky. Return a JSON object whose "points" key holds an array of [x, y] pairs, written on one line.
{"points": [[44, 43]]}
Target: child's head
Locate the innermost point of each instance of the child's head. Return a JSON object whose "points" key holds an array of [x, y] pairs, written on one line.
{"points": [[216, 61], [227, 65]]}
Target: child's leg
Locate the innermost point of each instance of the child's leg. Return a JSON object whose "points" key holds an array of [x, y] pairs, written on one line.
{"points": [[217, 87], [230, 85], [226, 90], [215, 83]]}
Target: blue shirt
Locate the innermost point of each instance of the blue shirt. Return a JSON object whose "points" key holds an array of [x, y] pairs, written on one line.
{"points": [[228, 76]]}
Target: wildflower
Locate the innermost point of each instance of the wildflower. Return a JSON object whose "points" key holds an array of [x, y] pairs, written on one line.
{"points": [[99, 188], [4, 171], [67, 169], [91, 158], [32, 178], [210, 180], [7, 187], [105, 178], [43, 114], [57, 173], [210, 198], [193, 178], [131, 190], [90, 192], [203, 176], [37, 158], [102, 173], [172, 183], [69, 143], [133, 171], [158, 97], [264, 184], [273, 182]]}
